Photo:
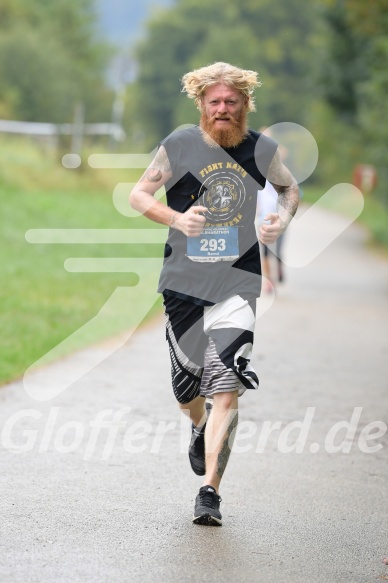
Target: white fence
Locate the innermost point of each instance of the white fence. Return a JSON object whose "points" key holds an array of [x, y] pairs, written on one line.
{"points": [[54, 130]]}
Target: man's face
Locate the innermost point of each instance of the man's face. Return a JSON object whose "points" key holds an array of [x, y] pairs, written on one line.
{"points": [[224, 115]]}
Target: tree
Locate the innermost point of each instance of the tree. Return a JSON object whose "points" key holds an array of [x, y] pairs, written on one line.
{"points": [[356, 77], [50, 60], [273, 38]]}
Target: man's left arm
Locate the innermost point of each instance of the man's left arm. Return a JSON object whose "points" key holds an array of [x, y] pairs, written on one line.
{"points": [[287, 203]]}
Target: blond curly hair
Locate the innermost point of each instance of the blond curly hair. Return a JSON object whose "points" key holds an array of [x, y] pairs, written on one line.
{"points": [[196, 82]]}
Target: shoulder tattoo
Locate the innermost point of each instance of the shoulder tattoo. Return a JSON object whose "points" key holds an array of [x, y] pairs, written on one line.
{"points": [[159, 165]]}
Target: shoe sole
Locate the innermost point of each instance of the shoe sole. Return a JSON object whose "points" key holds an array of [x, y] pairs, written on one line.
{"points": [[207, 520]]}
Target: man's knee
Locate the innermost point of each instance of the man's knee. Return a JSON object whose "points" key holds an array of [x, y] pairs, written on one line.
{"points": [[226, 401]]}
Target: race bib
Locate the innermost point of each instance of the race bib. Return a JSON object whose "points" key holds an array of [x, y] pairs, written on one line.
{"points": [[214, 244]]}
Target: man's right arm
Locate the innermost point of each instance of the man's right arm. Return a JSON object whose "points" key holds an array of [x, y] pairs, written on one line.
{"points": [[142, 198]]}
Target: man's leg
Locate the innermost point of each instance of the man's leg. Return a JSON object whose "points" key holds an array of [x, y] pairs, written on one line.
{"points": [[187, 344], [219, 436]]}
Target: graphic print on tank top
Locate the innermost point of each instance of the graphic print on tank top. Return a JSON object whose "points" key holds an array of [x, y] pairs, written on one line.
{"points": [[223, 193]]}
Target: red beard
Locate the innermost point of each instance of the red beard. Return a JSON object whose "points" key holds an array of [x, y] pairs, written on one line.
{"points": [[225, 137]]}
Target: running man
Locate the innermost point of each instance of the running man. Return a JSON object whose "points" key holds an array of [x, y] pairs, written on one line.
{"points": [[211, 275]]}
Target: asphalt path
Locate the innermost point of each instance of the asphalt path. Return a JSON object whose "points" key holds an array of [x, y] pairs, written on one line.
{"points": [[96, 484]]}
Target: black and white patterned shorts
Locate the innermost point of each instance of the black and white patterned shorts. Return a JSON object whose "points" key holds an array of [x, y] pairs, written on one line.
{"points": [[210, 347]]}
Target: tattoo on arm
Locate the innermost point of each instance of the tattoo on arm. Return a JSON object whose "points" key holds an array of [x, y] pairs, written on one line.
{"points": [[160, 164], [287, 203], [153, 174], [224, 454], [287, 188]]}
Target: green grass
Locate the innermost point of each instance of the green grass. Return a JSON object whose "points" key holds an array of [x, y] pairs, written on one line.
{"points": [[41, 303]]}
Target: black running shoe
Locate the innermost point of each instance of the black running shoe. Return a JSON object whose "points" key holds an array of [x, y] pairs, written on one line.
{"points": [[207, 507], [197, 450]]}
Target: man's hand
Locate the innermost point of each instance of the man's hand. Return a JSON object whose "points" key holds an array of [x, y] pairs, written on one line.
{"points": [[192, 222], [271, 228]]}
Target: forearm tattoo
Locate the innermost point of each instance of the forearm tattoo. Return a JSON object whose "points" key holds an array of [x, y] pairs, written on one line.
{"points": [[287, 203], [287, 188], [160, 164], [224, 454]]}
